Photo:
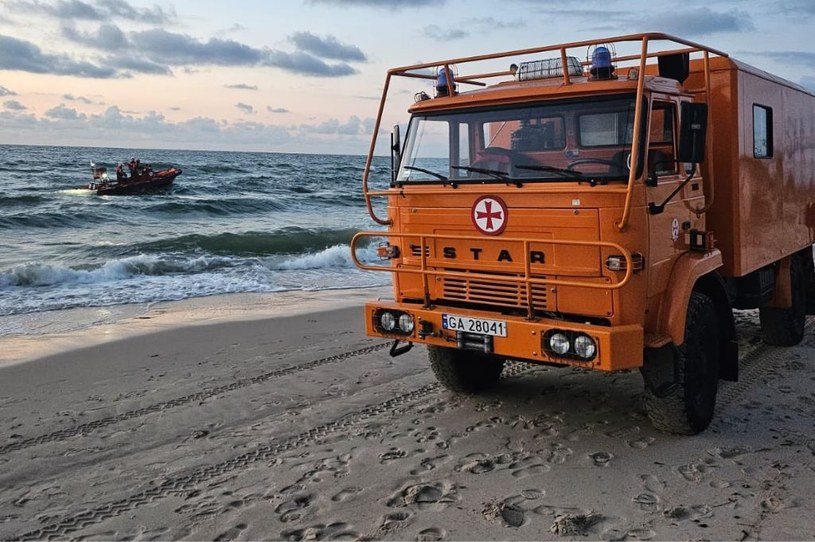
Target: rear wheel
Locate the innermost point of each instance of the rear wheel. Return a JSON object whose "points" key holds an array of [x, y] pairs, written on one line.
{"points": [[785, 327], [688, 409], [464, 371], [809, 278]]}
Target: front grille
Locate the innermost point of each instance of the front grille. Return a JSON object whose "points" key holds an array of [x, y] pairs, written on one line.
{"points": [[493, 292]]}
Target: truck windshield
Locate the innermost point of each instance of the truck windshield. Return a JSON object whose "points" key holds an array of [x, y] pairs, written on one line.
{"points": [[574, 140]]}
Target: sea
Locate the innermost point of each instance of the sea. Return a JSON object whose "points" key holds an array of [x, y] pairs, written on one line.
{"points": [[232, 222]]}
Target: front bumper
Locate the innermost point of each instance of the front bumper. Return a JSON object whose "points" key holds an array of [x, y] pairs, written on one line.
{"points": [[618, 347]]}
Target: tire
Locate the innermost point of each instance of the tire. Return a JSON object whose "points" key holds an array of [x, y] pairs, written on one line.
{"points": [[688, 409], [462, 371], [785, 327], [809, 279]]}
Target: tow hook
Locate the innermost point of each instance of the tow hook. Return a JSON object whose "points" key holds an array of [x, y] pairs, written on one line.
{"points": [[397, 350]]}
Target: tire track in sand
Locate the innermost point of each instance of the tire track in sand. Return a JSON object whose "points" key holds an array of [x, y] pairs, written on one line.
{"points": [[87, 428]]}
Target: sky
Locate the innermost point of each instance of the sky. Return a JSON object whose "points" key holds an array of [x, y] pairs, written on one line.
{"points": [[307, 75]]}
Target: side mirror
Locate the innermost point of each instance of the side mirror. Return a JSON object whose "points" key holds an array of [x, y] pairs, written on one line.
{"points": [[692, 132], [396, 152]]}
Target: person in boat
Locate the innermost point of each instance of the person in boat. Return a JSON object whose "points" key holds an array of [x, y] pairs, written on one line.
{"points": [[120, 172]]}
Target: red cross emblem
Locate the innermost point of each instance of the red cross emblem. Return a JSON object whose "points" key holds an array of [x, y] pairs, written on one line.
{"points": [[489, 215]]}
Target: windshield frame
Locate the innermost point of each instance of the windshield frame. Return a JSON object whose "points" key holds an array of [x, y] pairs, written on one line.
{"points": [[523, 168]]}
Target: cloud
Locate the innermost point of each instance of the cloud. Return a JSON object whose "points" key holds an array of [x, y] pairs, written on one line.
{"points": [[140, 65], [72, 98], [802, 58], [487, 24], [306, 64], [64, 113], [444, 34], [67, 126], [354, 126], [327, 47], [391, 4], [177, 49], [153, 15], [242, 86], [71, 10], [16, 54], [699, 22], [14, 105], [108, 37], [271, 109], [246, 108], [795, 8], [6, 92]]}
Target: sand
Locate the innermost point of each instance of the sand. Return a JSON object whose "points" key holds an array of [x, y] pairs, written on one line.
{"points": [[288, 423]]}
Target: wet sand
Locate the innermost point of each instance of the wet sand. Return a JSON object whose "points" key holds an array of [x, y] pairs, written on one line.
{"points": [[294, 425]]}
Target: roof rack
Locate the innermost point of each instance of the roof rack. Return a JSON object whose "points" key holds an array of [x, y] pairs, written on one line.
{"points": [[652, 45]]}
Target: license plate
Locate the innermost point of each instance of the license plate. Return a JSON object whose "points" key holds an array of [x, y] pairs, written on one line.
{"points": [[482, 326]]}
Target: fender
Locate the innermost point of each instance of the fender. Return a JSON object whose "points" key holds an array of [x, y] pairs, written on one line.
{"points": [[687, 270]]}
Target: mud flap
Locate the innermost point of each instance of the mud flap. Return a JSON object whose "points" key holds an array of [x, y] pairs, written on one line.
{"points": [[660, 370]]}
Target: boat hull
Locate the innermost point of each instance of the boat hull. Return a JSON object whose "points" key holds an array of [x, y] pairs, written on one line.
{"points": [[156, 181]]}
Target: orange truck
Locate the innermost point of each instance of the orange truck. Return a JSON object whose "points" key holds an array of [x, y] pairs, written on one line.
{"points": [[578, 206]]}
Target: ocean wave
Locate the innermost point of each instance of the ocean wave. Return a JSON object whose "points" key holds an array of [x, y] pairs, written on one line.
{"points": [[39, 275], [337, 256], [292, 240], [218, 207]]}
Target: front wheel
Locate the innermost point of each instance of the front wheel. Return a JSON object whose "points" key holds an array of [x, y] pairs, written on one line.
{"points": [[463, 371], [688, 409]]}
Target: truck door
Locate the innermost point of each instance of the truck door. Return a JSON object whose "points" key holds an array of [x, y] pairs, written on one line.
{"points": [[667, 230]]}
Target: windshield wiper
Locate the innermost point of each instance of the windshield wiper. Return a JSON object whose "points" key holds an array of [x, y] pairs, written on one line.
{"points": [[423, 170], [562, 172], [494, 173]]}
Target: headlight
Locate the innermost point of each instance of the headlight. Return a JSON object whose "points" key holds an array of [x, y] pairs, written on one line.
{"points": [[584, 346], [387, 321], [559, 343], [406, 322]]}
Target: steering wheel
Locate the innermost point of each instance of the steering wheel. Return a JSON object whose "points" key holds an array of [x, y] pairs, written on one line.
{"points": [[604, 161]]}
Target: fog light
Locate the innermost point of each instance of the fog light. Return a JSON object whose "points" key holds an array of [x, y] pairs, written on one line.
{"points": [[559, 343], [387, 321], [585, 347], [406, 323]]}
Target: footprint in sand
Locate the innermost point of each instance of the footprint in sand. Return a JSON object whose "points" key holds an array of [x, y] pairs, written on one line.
{"points": [[528, 466], [231, 534], [684, 513], [652, 483], [477, 463], [333, 531], [392, 522], [624, 432], [291, 510], [392, 454], [433, 496], [346, 493], [637, 533], [533, 494], [431, 463], [601, 459], [431, 534], [641, 443], [558, 454], [648, 502], [692, 472]]}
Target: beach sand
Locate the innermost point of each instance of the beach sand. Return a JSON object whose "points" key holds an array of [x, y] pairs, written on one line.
{"points": [[265, 417]]}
